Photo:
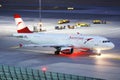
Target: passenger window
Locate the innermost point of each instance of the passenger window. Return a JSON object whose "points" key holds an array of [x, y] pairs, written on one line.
{"points": [[106, 41]]}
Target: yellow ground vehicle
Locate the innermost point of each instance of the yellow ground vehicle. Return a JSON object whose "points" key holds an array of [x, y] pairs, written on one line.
{"points": [[63, 21], [82, 24], [99, 22]]}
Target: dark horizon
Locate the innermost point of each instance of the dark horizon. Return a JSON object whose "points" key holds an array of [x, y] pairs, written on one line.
{"points": [[65, 2], [57, 5]]}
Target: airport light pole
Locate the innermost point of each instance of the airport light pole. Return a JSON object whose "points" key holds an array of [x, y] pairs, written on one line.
{"points": [[40, 10], [40, 17], [0, 5]]}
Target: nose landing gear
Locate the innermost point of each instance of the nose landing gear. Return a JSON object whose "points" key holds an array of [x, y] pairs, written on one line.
{"points": [[96, 52], [99, 52]]}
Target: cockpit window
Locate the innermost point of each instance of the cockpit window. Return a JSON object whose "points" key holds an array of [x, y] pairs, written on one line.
{"points": [[106, 41]]}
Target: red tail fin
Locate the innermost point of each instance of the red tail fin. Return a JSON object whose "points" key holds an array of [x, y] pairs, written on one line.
{"points": [[21, 27]]}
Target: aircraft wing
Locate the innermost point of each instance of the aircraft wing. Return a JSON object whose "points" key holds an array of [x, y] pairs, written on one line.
{"points": [[53, 45], [50, 45], [45, 45]]}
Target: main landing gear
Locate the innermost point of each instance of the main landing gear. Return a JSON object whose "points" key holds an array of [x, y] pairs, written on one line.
{"points": [[98, 54], [57, 52]]}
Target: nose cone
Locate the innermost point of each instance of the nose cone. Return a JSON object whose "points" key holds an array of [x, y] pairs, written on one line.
{"points": [[112, 45], [108, 46]]}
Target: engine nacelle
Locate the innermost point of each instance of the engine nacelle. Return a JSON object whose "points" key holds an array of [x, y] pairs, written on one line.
{"points": [[66, 50]]}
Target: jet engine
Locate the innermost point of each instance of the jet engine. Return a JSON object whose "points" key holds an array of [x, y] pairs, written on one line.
{"points": [[66, 50]]}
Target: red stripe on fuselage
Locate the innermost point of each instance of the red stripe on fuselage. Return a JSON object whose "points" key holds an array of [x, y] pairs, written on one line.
{"points": [[24, 30]]}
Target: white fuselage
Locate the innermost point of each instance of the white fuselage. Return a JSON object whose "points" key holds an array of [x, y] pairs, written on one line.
{"points": [[64, 43], [75, 40]]}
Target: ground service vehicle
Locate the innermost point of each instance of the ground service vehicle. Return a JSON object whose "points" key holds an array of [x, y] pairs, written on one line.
{"points": [[82, 24], [59, 27], [63, 21], [99, 22]]}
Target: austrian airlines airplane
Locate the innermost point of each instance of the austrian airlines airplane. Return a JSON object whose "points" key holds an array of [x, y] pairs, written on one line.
{"points": [[63, 43]]}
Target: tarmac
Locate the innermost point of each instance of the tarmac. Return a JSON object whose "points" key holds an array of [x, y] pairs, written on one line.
{"points": [[105, 66]]}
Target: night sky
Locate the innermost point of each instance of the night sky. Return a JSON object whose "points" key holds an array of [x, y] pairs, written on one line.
{"points": [[33, 4], [81, 2]]}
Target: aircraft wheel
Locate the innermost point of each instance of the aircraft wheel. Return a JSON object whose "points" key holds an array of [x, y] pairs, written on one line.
{"points": [[57, 52], [99, 54]]}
